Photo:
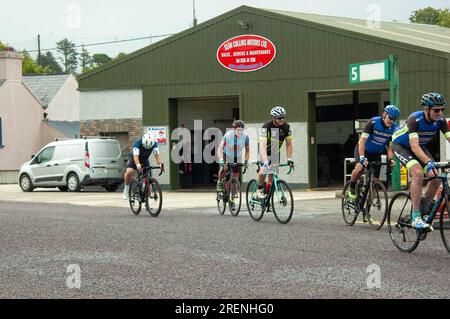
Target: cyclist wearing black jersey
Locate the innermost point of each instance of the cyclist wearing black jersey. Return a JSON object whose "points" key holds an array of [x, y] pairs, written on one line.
{"points": [[274, 132]]}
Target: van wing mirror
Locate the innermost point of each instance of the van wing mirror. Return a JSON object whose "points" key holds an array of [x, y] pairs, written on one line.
{"points": [[32, 156]]}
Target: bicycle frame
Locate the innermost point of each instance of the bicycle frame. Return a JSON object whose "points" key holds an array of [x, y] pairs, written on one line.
{"points": [[443, 177], [228, 176], [273, 186]]}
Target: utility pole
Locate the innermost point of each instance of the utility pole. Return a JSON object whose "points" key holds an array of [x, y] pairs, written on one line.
{"points": [[195, 19], [39, 49]]}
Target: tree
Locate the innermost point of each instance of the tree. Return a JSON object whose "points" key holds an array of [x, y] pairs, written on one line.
{"points": [[432, 16], [444, 18], [100, 59], [30, 66], [48, 60], [2, 46], [69, 55], [426, 15], [85, 60], [121, 55]]}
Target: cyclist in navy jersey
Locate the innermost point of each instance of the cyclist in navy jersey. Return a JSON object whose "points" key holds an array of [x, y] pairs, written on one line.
{"points": [[375, 138], [409, 144]]}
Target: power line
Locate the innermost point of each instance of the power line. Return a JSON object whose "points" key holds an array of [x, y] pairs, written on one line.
{"points": [[109, 42]]}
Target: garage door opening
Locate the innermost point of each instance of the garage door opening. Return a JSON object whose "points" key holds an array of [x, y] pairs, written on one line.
{"points": [[215, 112], [336, 113]]}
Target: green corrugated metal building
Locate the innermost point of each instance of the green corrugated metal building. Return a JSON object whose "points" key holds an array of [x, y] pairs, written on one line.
{"points": [[311, 65]]}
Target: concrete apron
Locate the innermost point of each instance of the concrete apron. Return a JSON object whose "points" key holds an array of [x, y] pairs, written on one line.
{"points": [[171, 199]]}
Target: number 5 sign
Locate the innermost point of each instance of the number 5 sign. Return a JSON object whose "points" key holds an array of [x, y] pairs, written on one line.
{"points": [[369, 72]]}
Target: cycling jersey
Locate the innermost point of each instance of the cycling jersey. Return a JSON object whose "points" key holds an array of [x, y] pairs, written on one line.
{"points": [[417, 126], [142, 152], [378, 135], [272, 133], [233, 146]]}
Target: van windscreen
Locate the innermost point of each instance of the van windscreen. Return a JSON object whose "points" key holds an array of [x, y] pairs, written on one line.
{"points": [[104, 149]]}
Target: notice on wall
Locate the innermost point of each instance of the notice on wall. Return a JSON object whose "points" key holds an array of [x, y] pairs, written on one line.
{"points": [[160, 133]]}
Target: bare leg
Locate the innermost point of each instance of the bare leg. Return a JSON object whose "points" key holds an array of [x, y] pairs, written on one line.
{"points": [[416, 186]]}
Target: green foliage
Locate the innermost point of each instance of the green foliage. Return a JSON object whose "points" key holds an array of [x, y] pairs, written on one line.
{"points": [[86, 60], [100, 59], [30, 66], [49, 60], [432, 16], [69, 54]]}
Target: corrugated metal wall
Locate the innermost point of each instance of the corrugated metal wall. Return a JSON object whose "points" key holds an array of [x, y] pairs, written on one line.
{"points": [[308, 59]]}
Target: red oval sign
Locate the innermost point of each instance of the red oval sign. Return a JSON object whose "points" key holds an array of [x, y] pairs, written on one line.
{"points": [[246, 53]]}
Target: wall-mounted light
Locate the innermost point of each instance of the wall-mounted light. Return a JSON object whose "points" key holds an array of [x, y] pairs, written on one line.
{"points": [[243, 24]]}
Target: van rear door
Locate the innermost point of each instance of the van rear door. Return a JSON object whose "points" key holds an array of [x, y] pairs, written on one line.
{"points": [[105, 158]]}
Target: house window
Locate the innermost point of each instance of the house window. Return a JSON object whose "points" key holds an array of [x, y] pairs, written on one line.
{"points": [[1, 136]]}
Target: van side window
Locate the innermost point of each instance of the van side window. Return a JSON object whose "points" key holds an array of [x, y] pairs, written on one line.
{"points": [[45, 156]]}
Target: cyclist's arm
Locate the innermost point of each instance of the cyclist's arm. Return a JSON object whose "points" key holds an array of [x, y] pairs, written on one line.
{"points": [[220, 150], [414, 140], [247, 148], [157, 156], [289, 148], [364, 136], [136, 153], [445, 130], [390, 151], [263, 149]]}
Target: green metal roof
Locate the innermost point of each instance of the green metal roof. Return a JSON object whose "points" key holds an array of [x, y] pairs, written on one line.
{"points": [[422, 35], [418, 37]]}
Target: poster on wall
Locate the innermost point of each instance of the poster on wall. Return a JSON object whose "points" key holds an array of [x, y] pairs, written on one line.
{"points": [[160, 133], [246, 53]]}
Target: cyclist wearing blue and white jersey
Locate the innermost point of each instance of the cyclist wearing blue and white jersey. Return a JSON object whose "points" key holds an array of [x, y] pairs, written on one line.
{"points": [[409, 144], [375, 138], [142, 149], [230, 150]]}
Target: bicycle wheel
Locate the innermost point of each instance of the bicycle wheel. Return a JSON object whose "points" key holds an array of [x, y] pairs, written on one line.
{"points": [[222, 198], [348, 207], [444, 225], [282, 202], [255, 206], [235, 197], [377, 205], [153, 202], [404, 237], [135, 197]]}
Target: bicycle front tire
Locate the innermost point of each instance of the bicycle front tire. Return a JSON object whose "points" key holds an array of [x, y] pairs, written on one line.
{"points": [[280, 200], [153, 202]]}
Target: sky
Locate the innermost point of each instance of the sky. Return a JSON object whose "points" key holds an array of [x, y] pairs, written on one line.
{"points": [[92, 21]]}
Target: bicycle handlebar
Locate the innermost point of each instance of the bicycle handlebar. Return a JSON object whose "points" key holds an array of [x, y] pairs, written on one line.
{"points": [[258, 163], [147, 168], [234, 165]]}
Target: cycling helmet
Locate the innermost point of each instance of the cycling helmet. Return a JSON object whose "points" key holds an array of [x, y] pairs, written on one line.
{"points": [[392, 111], [238, 124], [148, 141], [278, 111], [432, 100]]}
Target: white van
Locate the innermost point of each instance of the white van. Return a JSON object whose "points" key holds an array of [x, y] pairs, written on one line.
{"points": [[72, 164]]}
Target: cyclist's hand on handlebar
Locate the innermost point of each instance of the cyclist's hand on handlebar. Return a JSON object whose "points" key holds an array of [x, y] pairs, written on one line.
{"points": [[265, 165], [290, 163], [363, 160], [391, 162], [431, 169], [161, 166], [221, 163], [139, 167], [245, 165]]}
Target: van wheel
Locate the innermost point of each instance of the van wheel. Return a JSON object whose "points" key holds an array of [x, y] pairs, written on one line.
{"points": [[112, 188], [63, 188], [73, 183], [25, 183]]}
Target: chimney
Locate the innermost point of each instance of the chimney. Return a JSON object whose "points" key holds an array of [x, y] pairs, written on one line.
{"points": [[10, 65]]}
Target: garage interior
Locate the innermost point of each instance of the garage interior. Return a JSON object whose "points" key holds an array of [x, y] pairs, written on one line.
{"points": [[215, 112]]}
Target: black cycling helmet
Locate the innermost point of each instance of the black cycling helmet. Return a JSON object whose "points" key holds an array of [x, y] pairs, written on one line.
{"points": [[238, 124], [432, 100]]}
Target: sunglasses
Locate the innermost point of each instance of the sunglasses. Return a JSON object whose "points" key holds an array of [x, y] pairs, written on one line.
{"points": [[392, 118], [280, 118], [438, 110]]}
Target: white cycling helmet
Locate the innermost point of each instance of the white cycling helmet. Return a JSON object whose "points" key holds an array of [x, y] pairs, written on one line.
{"points": [[278, 111], [148, 141]]}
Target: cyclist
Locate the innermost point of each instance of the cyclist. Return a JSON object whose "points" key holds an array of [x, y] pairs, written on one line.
{"points": [[276, 131], [230, 150], [375, 138], [139, 158], [410, 148]]}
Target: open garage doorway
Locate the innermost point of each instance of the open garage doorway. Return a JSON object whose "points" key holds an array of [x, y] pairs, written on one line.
{"points": [[215, 112], [336, 113]]}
